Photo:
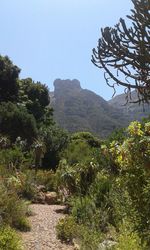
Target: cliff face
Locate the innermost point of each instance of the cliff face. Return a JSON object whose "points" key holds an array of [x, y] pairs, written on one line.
{"points": [[132, 110], [77, 109]]}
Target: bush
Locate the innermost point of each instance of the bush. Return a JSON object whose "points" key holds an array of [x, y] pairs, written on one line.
{"points": [[128, 239], [9, 240], [28, 189], [13, 209], [23, 224], [69, 231], [87, 137], [46, 178], [16, 121], [9, 74], [12, 158], [77, 178], [78, 152], [83, 210], [66, 229], [55, 140], [88, 239]]}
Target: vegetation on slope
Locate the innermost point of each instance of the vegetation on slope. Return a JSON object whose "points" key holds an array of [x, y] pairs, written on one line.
{"points": [[29, 139], [107, 190]]}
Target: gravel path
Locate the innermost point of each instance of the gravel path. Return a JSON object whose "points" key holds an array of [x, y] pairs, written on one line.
{"points": [[43, 234]]}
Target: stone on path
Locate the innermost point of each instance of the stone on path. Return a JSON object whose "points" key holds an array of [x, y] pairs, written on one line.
{"points": [[51, 198]]}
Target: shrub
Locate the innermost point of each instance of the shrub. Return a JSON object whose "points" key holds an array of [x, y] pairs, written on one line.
{"points": [[28, 188], [77, 178], [83, 210], [66, 228], [16, 121], [23, 224], [68, 231], [87, 137], [128, 239], [12, 158], [9, 240], [77, 151], [13, 209], [88, 239], [55, 140], [46, 178]]}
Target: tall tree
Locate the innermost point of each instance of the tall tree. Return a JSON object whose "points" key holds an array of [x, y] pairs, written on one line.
{"points": [[35, 96], [16, 121], [9, 74], [124, 53]]}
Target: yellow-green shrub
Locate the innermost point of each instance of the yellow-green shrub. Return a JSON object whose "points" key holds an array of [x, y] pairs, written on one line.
{"points": [[9, 239], [128, 239]]}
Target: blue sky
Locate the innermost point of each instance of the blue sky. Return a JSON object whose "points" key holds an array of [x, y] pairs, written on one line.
{"points": [[51, 39]]}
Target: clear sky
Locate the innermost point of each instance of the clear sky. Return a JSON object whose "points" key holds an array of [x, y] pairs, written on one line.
{"points": [[51, 39]]}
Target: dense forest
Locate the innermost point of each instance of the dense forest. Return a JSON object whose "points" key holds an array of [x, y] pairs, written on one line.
{"points": [[103, 183]]}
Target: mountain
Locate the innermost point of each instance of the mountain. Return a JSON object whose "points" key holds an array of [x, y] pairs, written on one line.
{"points": [[77, 109], [132, 110]]}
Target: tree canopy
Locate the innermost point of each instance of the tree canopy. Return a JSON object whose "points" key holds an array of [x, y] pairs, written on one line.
{"points": [[25, 113], [124, 53], [9, 74], [16, 121], [34, 96]]}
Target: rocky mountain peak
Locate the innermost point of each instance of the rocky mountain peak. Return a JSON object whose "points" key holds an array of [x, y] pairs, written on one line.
{"points": [[64, 85]]}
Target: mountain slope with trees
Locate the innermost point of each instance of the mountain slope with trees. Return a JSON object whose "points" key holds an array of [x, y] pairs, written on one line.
{"points": [[77, 109], [131, 109]]}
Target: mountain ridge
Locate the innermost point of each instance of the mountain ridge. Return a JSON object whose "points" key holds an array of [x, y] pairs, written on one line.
{"points": [[77, 109]]}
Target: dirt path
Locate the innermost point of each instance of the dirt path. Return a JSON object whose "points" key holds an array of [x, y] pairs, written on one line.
{"points": [[43, 234]]}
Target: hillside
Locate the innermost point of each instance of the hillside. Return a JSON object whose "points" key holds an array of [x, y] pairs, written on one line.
{"points": [[133, 110], [77, 109]]}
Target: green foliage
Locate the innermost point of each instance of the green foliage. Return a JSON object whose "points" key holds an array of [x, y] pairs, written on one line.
{"points": [[8, 80], [110, 184], [13, 209], [88, 239], [23, 224], [103, 182], [77, 151], [16, 121], [30, 117], [117, 135], [83, 210], [27, 181], [9, 239], [55, 140], [128, 239], [15, 156], [69, 231], [91, 140], [77, 178], [100, 188], [46, 178], [66, 229], [35, 96], [28, 135]]}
